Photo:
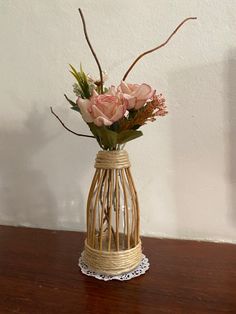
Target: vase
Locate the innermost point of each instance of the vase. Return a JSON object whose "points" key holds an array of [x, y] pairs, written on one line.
{"points": [[113, 244]]}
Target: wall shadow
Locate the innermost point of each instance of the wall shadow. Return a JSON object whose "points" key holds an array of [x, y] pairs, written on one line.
{"points": [[29, 195], [25, 195], [201, 118]]}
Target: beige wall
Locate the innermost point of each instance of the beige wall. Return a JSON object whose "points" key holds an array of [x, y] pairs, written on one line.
{"points": [[184, 165]]}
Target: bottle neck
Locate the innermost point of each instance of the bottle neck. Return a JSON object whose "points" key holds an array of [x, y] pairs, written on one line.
{"points": [[116, 159]]}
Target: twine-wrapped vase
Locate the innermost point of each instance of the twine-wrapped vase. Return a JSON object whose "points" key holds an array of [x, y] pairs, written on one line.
{"points": [[113, 243]]}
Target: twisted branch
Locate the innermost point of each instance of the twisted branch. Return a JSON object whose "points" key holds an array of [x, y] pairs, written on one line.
{"points": [[156, 48], [62, 123], [91, 48]]}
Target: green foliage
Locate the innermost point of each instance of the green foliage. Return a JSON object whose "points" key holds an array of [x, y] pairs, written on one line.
{"points": [[108, 139], [74, 106], [77, 90], [82, 82], [128, 135], [115, 126], [132, 114]]}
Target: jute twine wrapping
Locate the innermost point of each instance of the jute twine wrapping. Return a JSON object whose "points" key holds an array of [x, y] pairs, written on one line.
{"points": [[112, 263], [116, 159], [112, 170]]}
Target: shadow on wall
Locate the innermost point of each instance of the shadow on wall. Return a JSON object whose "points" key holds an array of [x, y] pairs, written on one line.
{"points": [[232, 129], [31, 195], [25, 195], [200, 149]]}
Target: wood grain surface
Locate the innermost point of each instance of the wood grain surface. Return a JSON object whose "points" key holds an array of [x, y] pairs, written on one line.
{"points": [[39, 274]]}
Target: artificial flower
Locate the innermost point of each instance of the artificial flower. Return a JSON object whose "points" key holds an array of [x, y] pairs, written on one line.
{"points": [[103, 109], [136, 94]]}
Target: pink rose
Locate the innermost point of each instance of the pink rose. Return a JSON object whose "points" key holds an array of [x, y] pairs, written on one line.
{"points": [[104, 109], [85, 109], [136, 95]]}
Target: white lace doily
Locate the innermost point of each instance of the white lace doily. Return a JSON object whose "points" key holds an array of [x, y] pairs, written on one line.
{"points": [[138, 271]]}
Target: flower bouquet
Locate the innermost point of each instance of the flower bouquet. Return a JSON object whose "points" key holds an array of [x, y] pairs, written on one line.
{"points": [[114, 116]]}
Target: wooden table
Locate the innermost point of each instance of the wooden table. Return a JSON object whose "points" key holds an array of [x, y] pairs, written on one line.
{"points": [[39, 274]]}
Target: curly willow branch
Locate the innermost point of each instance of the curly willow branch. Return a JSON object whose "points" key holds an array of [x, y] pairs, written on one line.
{"points": [[91, 48], [62, 123], [156, 48]]}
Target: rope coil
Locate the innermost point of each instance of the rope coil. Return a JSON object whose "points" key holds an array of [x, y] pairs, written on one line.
{"points": [[112, 263], [117, 159]]}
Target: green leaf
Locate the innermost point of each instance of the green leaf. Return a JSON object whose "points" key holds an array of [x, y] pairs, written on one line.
{"points": [[75, 109], [137, 126], [128, 135], [132, 113], [106, 138], [74, 106], [82, 81], [74, 71], [109, 138], [75, 75], [115, 126]]}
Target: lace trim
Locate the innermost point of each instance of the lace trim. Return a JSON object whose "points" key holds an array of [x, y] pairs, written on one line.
{"points": [[138, 271]]}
